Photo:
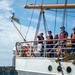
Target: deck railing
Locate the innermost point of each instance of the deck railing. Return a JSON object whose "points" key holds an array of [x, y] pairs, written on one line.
{"points": [[35, 49]]}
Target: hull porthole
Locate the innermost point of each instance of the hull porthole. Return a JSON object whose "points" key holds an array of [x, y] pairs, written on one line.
{"points": [[50, 68], [59, 68], [68, 69]]}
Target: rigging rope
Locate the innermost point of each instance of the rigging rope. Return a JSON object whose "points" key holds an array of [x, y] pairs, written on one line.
{"points": [[55, 19], [26, 2], [38, 25], [66, 22], [42, 2], [45, 25], [20, 27], [60, 12], [69, 11], [30, 21], [63, 20]]}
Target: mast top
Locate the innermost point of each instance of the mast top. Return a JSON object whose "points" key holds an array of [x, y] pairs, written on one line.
{"points": [[50, 6]]}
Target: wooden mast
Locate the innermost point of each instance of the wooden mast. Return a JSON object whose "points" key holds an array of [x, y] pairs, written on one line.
{"points": [[50, 6]]}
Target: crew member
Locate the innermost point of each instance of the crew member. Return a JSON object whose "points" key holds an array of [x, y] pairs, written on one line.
{"points": [[40, 37], [56, 37], [49, 42], [49, 39], [40, 44], [63, 34], [73, 39]]}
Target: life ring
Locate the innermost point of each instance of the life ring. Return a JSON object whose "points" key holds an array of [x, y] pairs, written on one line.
{"points": [[25, 51]]}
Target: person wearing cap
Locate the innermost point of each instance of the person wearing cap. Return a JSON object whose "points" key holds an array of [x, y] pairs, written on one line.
{"points": [[63, 34], [73, 39], [49, 42], [49, 38]]}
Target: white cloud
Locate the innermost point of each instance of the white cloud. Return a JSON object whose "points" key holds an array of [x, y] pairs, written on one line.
{"points": [[51, 17], [8, 34], [5, 5], [33, 20]]}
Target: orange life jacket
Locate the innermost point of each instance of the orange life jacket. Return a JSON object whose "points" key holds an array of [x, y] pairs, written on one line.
{"points": [[73, 37], [62, 36]]}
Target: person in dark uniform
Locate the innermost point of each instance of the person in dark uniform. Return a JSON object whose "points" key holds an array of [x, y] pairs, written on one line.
{"points": [[40, 37], [49, 42], [49, 39]]}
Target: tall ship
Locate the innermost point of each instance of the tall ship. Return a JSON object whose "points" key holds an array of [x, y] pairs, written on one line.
{"points": [[46, 56]]}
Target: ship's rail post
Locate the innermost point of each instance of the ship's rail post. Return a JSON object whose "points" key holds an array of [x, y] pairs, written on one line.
{"points": [[45, 50], [30, 48]]}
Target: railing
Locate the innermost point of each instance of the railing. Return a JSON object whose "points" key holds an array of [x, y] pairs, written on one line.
{"points": [[35, 49]]}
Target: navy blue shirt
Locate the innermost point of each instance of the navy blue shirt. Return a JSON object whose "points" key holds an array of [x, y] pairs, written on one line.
{"points": [[40, 38], [51, 37]]}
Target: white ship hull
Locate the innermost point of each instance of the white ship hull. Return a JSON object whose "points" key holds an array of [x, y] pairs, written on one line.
{"points": [[40, 66], [31, 73]]}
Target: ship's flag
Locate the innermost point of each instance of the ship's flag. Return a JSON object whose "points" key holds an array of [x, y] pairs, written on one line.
{"points": [[15, 19], [58, 49]]}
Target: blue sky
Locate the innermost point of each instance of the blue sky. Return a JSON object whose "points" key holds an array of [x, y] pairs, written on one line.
{"points": [[8, 33]]}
